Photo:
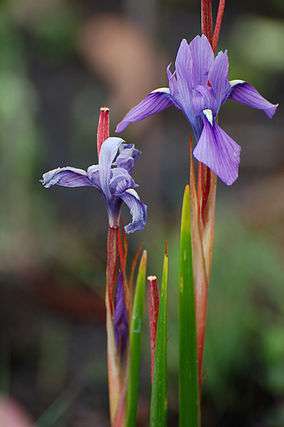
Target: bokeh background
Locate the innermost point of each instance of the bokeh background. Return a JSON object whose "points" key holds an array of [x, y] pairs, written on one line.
{"points": [[60, 61]]}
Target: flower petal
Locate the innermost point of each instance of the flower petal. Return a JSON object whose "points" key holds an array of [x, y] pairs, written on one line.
{"points": [[138, 211], [172, 78], [202, 59], [183, 63], [127, 156], [218, 151], [94, 175], [66, 177], [120, 181], [153, 103], [218, 78], [108, 152], [246, 94]]}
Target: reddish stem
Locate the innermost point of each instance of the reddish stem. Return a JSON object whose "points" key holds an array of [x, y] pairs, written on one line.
{"points": [[111, 265], [153, 306], [103, 127], [121, 252], [206, 18], [219, 19], [206, 191]]}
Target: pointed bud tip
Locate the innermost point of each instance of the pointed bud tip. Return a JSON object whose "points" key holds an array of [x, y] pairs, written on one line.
{"points": [[152, 278], [166, 248]]}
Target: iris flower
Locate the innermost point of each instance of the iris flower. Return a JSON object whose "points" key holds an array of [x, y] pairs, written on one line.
{"points": [[198, 87], [111, 177]]}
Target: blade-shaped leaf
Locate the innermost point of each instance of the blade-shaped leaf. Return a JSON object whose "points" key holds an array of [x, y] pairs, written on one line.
{"points": [[158, 414], [188, 364], [135, 344]]}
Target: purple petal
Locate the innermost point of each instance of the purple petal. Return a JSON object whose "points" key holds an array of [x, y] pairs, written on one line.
{"points": [[137, 209], [108, 152], [183, 63], [246, 94], [154, 102], [66, 177], [202, 59], [127, 156], [219, 152], [120, 181], [173, 85], [94, 175], [120, 319], [218, 78]]}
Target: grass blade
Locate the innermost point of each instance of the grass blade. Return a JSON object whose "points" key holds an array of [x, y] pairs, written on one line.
{"points": [[158, 413], [135, 344], [188, 365]]}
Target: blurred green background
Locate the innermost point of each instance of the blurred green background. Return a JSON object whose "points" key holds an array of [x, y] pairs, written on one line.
{"points": [[59, 62]]}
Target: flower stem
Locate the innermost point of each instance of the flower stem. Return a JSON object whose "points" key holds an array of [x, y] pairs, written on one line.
{"points": [[115, 380], [219, 19], [206, 18]]}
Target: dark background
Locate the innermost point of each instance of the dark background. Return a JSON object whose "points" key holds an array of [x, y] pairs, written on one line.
{"points": [[59, 62]]}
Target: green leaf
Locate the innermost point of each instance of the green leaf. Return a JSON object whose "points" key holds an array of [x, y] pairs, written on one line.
{"points": [[158, 413], [188, 364], [135, 344]]}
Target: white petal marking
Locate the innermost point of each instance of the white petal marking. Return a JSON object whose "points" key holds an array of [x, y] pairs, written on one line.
{"points": [[161, 89], [236, 82], [209, 115]]}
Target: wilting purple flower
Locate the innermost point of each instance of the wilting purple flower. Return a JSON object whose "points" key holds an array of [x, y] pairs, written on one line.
{"points": [[120, 319], [111, 177], [198, 87]]}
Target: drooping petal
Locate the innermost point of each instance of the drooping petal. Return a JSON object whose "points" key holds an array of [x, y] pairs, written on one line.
{"points": [[120, 181], [138, 211], [66, 177], [127, 156], [153, 103], [218, 151], [246, 94], [108, 152], [94, 175], [218, 78], [202, 59]]}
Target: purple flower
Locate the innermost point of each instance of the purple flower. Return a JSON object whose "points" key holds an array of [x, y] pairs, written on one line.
{"points": [[198, 87], [120, 318], [111, 177]]}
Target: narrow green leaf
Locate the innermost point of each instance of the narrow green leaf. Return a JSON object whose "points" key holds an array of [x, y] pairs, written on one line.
{"points": [[135, 344], [188, 364], [158, 413]]}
